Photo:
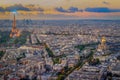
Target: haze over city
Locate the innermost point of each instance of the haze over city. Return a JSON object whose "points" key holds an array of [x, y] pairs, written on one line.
{"points": [[61, 9]]}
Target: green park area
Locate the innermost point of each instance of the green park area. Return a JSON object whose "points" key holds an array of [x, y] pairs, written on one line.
{"points": [[66, 70], [83, 46], [55, 59], [4, 36], [6, 40], [1, 54], [22, 39]]}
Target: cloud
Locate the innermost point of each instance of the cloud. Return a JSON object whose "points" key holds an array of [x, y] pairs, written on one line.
{"points": [[106, 3], [74, 9], [101, 10], [60, 9], [96, 9], [70, 10], [20, 7], [17, 7]]}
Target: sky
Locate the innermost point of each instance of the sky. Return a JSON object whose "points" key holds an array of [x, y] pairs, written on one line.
{"points": [[60, 9]]}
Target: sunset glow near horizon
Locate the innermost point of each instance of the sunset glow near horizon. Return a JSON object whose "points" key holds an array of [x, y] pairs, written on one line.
{"points": [[60, 9]]}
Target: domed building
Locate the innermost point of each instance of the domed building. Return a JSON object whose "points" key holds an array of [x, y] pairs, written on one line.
{"points": [[102, 45]]}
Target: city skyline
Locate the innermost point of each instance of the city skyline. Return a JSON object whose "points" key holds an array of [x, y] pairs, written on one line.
{"points": [[60, 9], [59, 40]]}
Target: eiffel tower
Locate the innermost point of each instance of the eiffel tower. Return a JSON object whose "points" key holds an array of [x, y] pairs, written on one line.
{"points": [[14, 32]]}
